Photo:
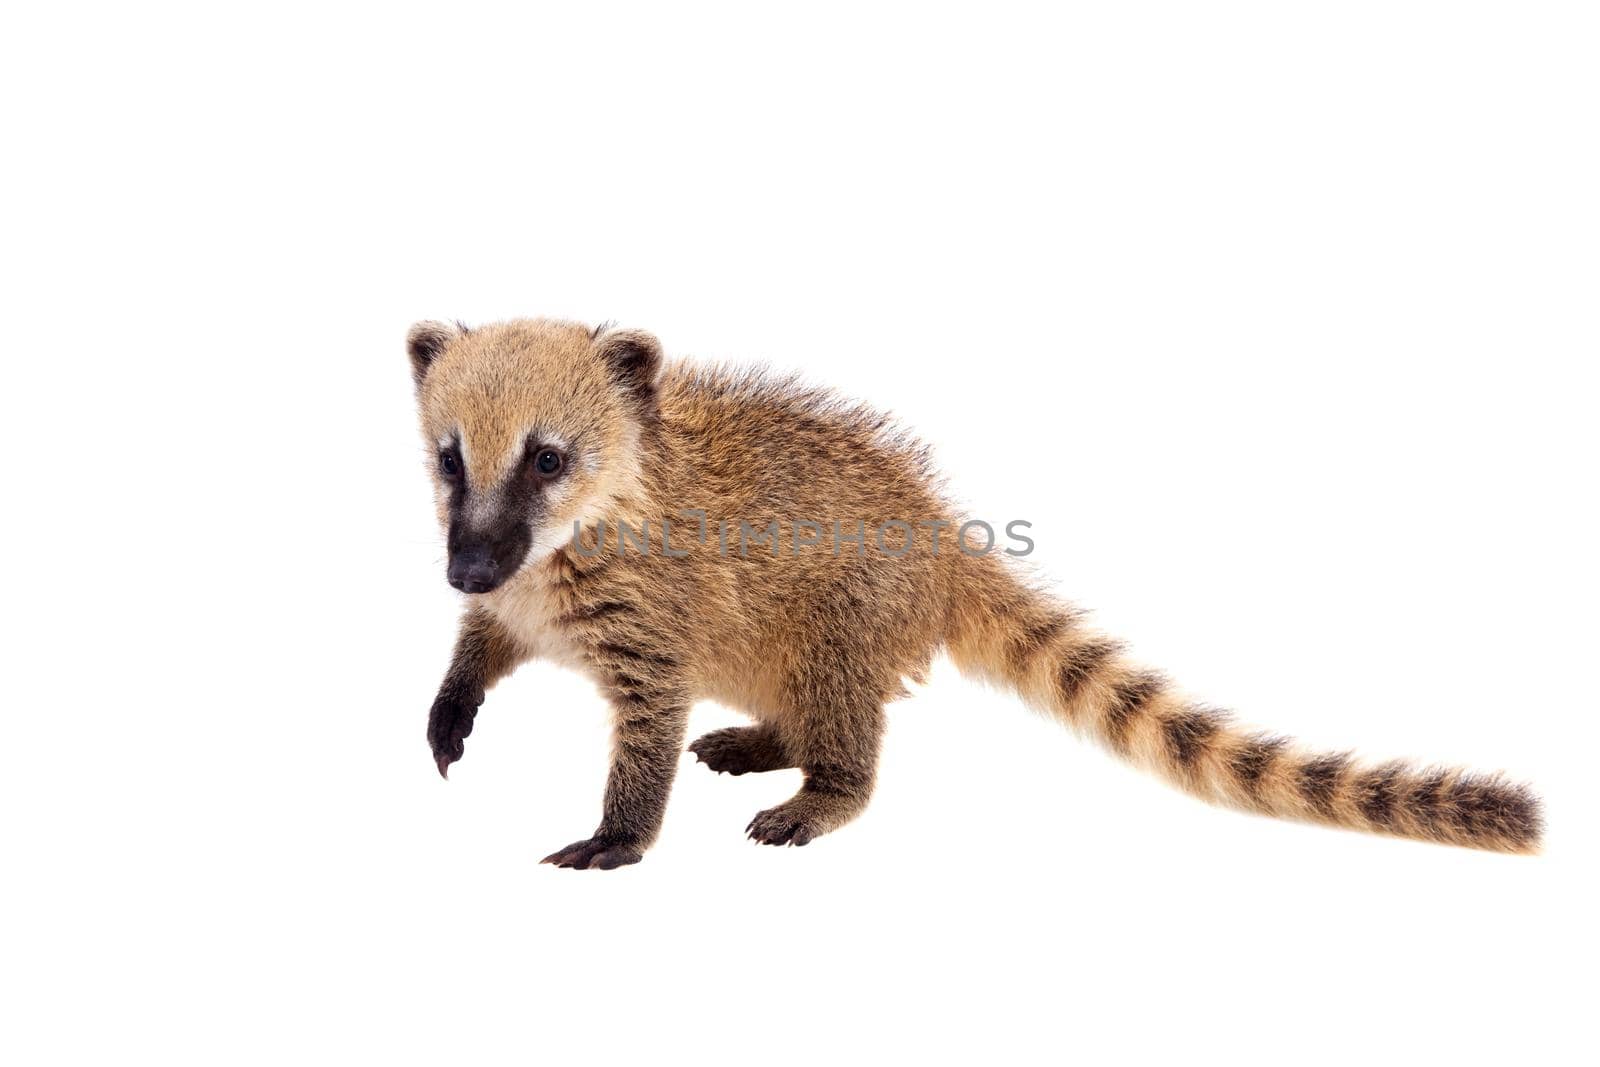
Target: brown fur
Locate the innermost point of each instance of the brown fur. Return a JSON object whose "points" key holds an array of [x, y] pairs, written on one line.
{"points": [[811, 645]]}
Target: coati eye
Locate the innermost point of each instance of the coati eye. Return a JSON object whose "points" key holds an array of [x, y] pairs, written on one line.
{"points": [[449, 466], [548, 462]]}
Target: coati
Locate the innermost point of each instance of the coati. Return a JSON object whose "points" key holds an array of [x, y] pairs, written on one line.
{"points": [[540, 432]]}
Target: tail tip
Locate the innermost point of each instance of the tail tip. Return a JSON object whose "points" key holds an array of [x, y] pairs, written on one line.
{"points": [[1498, 813]]}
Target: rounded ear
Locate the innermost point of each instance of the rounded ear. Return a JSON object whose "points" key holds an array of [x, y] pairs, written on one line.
{"points": [[633, 357], [424, 342]]}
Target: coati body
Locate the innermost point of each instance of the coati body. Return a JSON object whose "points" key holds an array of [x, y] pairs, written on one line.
{"points": [[533, 426]]}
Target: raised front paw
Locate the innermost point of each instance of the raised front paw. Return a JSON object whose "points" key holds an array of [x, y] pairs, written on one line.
{"points": [[449, 723], [595, 852]]}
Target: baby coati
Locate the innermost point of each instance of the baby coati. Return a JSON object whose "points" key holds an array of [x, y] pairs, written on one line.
{"points": [[680, 532]]}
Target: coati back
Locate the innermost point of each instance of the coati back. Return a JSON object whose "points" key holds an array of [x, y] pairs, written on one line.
{"points": [[680, 533]]}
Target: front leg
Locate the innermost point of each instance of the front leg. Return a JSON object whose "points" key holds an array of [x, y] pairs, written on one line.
{"points": [[484, 654], [650, 718]]}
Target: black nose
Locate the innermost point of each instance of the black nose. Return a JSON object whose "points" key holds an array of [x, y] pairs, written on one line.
{"points": [[472, 571]]}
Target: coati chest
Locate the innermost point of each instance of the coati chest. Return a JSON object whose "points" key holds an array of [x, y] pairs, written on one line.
{"points": [[530, 610]]}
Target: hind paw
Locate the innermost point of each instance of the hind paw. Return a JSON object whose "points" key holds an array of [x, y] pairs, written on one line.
{"points": [[740, 750], [781, 825]]}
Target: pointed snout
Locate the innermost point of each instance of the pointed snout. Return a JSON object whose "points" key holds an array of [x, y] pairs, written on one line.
{"points": [[473, 569]]}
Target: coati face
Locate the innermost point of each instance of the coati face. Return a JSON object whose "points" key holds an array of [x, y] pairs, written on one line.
{"points": [[530, 426]]}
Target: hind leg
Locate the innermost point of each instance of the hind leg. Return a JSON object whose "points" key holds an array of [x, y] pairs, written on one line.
{"points": [[743, 750], [838, 750], [829, 703]]}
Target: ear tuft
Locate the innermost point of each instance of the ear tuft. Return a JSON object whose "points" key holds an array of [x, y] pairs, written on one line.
{"points": [[425, 341], [633, 356]]}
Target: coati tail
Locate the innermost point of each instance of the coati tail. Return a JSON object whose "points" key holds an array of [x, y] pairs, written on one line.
{"points": [[1010, 635]]}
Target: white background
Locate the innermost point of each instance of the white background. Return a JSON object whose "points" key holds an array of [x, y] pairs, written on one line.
{"points": [[1277, 320]]}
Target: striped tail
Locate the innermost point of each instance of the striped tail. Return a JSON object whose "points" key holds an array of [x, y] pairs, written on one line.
{"points": [[1013, 636]]}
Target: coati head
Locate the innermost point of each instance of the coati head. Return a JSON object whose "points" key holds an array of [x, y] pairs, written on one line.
{"points": [[530, 426]]}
